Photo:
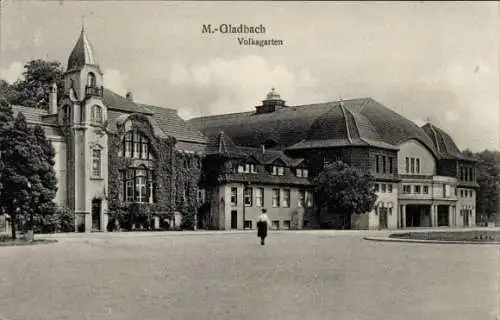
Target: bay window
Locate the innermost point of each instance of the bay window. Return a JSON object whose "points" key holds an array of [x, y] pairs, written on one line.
{"points": [[137, 185], [136, 145]]}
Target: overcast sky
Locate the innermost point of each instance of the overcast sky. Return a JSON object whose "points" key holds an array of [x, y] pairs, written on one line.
{"points": [[423, 60]]}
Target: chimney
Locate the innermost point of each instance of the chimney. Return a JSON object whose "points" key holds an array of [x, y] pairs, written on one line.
{"points": [[53, 99], [129, 96]]}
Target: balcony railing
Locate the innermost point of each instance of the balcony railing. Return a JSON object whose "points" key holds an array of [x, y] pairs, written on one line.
{"points": [[93, 91]]}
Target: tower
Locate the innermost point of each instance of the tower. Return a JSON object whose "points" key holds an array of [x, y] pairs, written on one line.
{"points": [[82, 114]]}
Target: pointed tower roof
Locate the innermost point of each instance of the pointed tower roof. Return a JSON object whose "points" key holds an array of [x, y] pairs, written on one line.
{"points": [[82, 54]]}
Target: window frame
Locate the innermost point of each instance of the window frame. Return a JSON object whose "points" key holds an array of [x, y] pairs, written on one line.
{"points": [[96, 163]]}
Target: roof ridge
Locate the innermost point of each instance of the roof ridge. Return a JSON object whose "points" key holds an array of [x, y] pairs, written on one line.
{"points": [[341, 106]]}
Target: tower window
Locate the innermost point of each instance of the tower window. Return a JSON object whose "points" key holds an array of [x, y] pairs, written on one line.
{"points": [[97, 114], [66, 115], [91, 82], [96, 163]]}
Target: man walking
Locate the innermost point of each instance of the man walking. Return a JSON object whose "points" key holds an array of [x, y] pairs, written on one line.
{"points": [[263, 224]]}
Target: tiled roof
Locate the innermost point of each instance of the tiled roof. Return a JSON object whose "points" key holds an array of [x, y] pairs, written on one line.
{"points": [[191, 147], [39, 116], [339, 123], [82, 53], [286, 125], [445, 146], [173, 125], [266, 178], [31, 114], [117, 102]]}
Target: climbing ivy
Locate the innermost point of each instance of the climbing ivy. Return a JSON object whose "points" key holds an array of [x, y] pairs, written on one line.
{"points": [[176, 176]]}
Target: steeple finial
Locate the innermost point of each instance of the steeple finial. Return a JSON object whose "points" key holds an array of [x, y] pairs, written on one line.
{"points": [[83, 23]]}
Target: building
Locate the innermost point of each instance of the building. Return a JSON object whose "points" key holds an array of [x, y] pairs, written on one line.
{"points": [[114, 154]]}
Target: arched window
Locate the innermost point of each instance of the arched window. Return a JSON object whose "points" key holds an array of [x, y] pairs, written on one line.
{"points": [[91, 82], [136, 145], [97, 114], [137, 185]]}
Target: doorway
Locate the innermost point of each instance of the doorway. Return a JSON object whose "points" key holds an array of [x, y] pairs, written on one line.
{"points": [[443, 215], [382, 218], [234, 219], [96, 214], [466, 218]]}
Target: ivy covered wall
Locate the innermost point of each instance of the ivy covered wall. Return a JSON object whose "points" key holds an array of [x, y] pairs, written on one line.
{"points": [[176, 175]]}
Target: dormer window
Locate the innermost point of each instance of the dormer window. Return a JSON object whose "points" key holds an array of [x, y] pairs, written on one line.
{"points": [[302, 173], [278, 170], [247, 168]]}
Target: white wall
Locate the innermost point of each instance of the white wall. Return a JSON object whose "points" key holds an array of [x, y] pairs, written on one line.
{"points": [[414, 149], [60, 168]]}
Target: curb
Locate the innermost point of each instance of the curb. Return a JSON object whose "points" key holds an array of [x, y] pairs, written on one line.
{"points": [[385, 239]]}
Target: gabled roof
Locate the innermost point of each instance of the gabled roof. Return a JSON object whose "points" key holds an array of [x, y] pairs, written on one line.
{"points": [[173, 125], [221, 144], [445, 146], [116, 102]]}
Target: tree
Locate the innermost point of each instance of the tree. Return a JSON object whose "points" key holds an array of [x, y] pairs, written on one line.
{"points": [[488, 178], [20, 171], [33, 91], [6, 117], [342, 190], [7, 91], [48, 187]]}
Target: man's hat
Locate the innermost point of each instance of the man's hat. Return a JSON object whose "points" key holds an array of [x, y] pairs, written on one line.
{"points": [[264, 210]]}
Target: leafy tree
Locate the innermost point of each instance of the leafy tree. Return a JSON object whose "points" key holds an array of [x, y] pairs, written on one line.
{"points": [[6, 117], [19, 179], [48, 181], [488, 178], [342, 190], [33, 91], [7, 91]]}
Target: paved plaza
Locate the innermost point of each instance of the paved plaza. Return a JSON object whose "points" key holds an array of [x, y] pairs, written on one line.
{"points": [[298, 275]]}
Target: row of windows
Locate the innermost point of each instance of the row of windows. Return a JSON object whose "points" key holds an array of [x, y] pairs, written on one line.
{"points": [[279, 198], [274, 170], [447, 190], [417, 189], [466, 193], [466, 174], [384, 164], [135, 145], [412, 165], [383, 187], [275, 224]]}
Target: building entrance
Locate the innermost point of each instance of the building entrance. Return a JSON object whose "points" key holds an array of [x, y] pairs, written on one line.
{"points": [[234, 219], [443, 215], [96, 214], [418, 215]]}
